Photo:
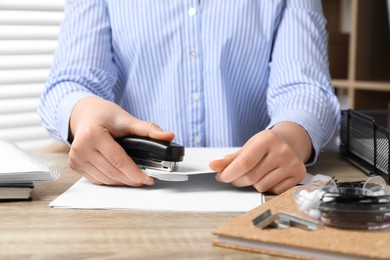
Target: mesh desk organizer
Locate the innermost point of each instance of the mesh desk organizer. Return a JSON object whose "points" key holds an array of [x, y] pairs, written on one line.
{"points": [[365, 140]]}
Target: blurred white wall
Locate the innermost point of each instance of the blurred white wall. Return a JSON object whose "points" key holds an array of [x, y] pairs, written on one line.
{"points": [[28, 38]]}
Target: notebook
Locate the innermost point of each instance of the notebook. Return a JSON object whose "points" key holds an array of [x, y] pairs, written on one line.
{"points": [[19, 166], [16, 191], [325, 243]]}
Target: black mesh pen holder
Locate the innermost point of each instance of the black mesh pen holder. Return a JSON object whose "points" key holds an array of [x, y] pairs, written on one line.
{"points": [[365, 140]]}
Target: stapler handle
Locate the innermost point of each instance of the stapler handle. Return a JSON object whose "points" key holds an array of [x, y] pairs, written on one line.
{"points": [[147, 148]]}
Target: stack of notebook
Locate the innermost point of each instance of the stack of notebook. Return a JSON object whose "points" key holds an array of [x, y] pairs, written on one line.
{"points": [[19, 170], [16, 191]]}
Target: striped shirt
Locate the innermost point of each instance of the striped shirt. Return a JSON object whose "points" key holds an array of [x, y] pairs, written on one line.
{"points": [[213, 72]]}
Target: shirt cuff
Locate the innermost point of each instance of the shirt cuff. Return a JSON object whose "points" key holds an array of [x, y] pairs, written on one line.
{"points": [[65, 109], [309, 122]]}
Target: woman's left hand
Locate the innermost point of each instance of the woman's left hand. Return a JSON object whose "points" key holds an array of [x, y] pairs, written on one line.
{"points": [[271, 161]]}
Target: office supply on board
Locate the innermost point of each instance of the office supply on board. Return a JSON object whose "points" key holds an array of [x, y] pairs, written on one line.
{"points": [[153, 154], [365, 139], [19, 166], [325, 243], [283, 220], [352, 205]]}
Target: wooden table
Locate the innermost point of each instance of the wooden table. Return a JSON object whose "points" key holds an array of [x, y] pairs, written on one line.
{"points": [[33, 230]]}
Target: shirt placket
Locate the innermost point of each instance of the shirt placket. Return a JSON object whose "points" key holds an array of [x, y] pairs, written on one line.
{"points": [[193, 60]]}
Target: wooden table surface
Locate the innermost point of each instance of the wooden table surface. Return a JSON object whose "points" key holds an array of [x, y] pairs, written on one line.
{"points": [[33, 230]]}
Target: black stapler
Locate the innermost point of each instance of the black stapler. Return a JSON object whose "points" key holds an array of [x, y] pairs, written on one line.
{"points": [[153, 154]]}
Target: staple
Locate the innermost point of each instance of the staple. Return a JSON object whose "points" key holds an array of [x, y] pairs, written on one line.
{"points": [[264, 220], [299, 222], [283, 220]]}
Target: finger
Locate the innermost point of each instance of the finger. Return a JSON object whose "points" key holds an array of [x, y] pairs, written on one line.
{"points": [[220, 164], [269, 180], [148, 129], [108, 174], [246, 160], [247, 179], [276, 177], [283, 185], [266, 165], [91, 173], [90, 178], [77, 163], [120, 164], [94, 166], [98, 178]]}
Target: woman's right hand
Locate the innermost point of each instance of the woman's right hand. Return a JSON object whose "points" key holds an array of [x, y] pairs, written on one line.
{"points": [[94, 123]]}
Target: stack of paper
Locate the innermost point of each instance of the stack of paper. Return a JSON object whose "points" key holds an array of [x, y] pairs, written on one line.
{"points": [[201, 193], [19, 170]]}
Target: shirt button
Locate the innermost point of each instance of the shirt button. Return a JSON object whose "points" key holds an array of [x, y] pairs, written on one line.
{"points": [[195, 96], [191, 11], [194, 54], [197, 140]]}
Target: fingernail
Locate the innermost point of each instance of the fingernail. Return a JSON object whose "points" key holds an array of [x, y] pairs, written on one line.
{"points": [[149, 181], [217, 178]]}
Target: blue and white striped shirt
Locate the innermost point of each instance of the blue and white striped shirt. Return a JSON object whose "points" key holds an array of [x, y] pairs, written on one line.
{"points": [[213, 72]]}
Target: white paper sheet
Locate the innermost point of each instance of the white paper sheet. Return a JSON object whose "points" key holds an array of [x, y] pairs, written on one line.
{"points": [[196, 161], [201, 193]]}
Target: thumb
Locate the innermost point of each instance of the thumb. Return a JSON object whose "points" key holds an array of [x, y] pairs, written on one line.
{"points": [[151, 130]]}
